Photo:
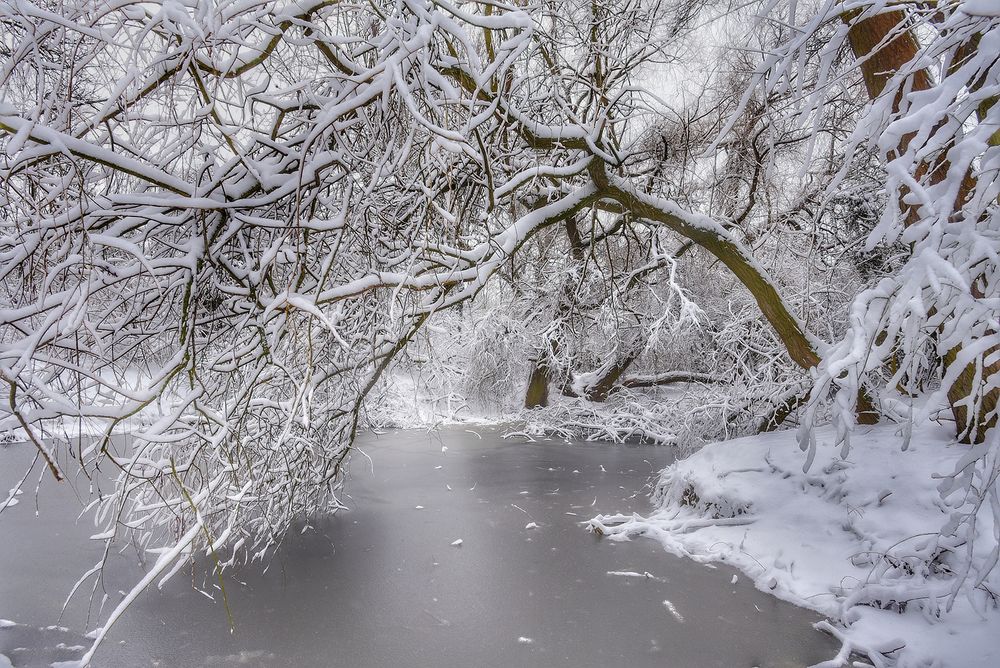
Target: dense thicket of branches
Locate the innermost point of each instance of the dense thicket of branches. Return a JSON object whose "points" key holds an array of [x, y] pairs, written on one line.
{"points": [[222, 223]]}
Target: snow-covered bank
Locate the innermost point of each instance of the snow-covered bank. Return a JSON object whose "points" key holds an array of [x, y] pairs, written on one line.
{"points": [[865, 541]]}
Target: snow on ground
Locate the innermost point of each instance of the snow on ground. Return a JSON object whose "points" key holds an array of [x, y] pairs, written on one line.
{"points": [[855, 539]]}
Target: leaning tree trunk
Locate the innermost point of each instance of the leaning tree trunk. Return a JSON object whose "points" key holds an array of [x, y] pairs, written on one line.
{"points": [[611, 374], [619, 197], [792, 333]]}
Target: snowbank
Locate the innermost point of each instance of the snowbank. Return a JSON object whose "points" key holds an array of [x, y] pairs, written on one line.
{"points": [[859, 540]]}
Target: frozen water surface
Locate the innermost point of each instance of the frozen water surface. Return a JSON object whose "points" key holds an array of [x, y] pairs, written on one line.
{"points": [[381, 584]]}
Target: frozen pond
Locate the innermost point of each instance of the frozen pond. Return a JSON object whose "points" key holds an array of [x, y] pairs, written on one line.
{"points": [[381, 584]]}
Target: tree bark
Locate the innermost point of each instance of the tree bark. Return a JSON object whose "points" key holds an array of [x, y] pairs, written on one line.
{"points": [[537, 395], [600, 389], [877, 67], [782, 411]]}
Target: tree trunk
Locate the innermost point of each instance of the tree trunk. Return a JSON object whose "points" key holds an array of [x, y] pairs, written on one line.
{"points": [[541, 371], [788, 328], [606, 382], [877, 67], [973, 428], [537, 395]]}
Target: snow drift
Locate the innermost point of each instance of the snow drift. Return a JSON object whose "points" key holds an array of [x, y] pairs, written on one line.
{"points": [[871, 541]]}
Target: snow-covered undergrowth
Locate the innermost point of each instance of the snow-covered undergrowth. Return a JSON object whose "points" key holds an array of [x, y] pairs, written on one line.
{"points": [[687, 416], [869, 541]]}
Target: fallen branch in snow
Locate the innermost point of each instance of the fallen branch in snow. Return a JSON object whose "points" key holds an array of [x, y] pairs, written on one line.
{"points": [[669, 378], [849, 648]]}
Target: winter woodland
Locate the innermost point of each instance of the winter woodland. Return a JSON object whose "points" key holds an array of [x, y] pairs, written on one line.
{"points": [[235, 234]]}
